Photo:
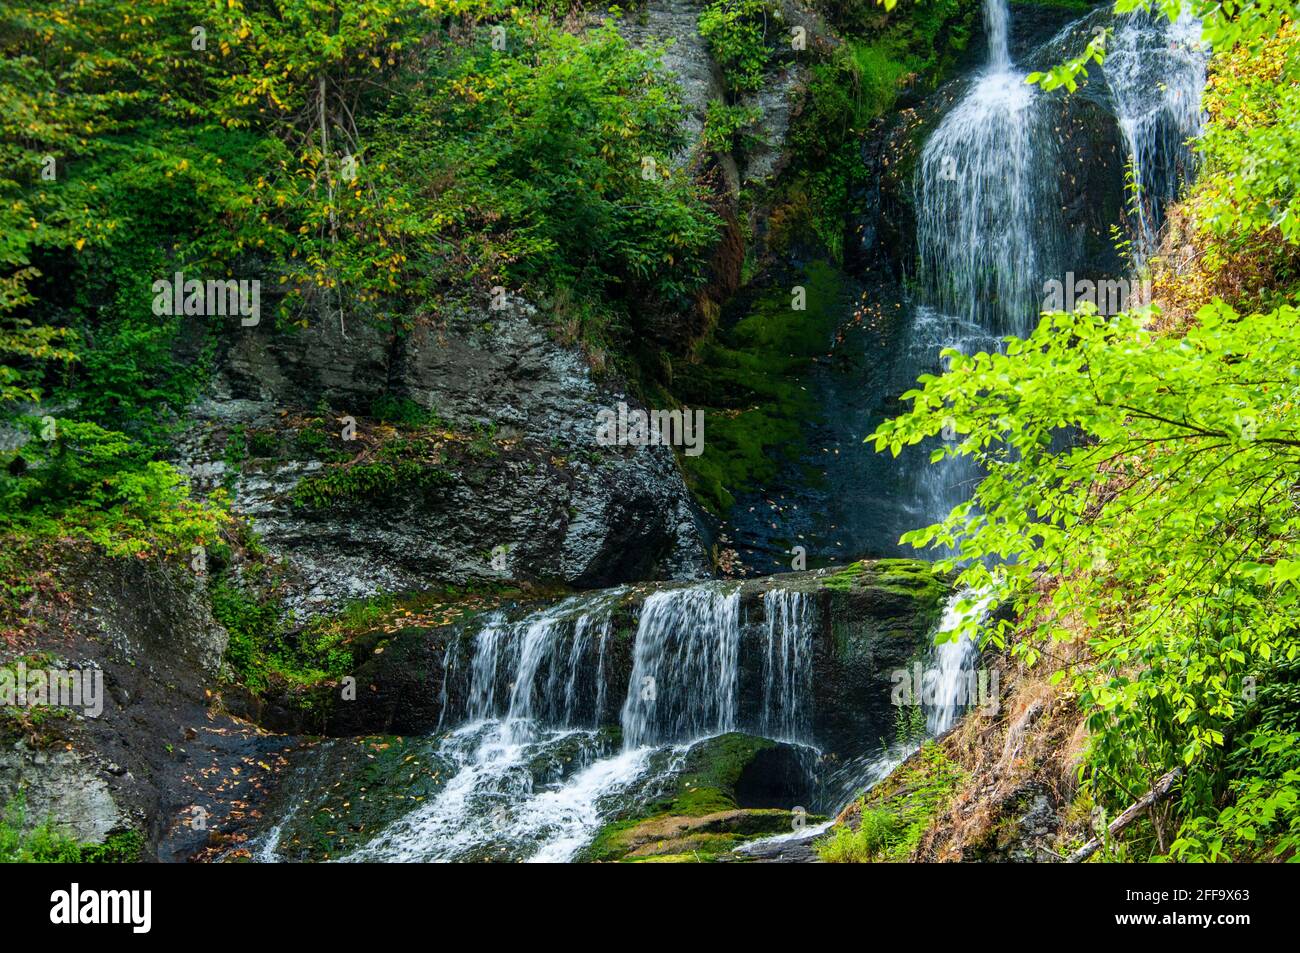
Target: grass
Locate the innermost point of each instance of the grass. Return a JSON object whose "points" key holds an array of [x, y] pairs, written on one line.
{"points": [[894, 816]]}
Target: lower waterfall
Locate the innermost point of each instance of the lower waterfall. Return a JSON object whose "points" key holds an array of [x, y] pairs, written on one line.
{"points": [[535, 763]]}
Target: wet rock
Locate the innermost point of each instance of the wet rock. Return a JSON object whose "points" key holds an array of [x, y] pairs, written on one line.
{"points": [[867, 621]]}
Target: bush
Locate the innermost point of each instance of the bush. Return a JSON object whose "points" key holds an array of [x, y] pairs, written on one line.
{"points": [[736, 31], [46, 844]]}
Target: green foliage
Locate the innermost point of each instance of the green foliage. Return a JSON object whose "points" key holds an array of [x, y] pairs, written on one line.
{"points": [[1252, 165], [879, 832], [252, 625], [894, 816], [46, 844], [359, 160], [404, 462], [909, 725], [265, 646], [97, 485], [856, 83], [736, 31], [404, 412], [724, 125], [1153, 478]]}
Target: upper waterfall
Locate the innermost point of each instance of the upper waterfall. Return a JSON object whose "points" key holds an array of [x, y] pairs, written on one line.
{"points": [[997, 26], [988, 224]]}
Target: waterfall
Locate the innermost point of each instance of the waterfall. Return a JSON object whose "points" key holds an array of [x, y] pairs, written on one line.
{"points": [[1156, 72], [951, 683], [534, 774], [787, 665], [532, 761], [549, 667], [997, 28], [989, 228], [987, 202], [685, 666]]}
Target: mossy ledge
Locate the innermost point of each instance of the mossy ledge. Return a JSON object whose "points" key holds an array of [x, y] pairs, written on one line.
{"points": [[711, 807], [870, 618]]}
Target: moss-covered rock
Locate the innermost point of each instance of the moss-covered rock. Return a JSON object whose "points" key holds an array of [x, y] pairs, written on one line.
{"points": [[712, 805], [348, 790], [888, 822]]}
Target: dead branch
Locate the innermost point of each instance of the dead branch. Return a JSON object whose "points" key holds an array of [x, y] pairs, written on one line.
{"points": [[1159, 791]]}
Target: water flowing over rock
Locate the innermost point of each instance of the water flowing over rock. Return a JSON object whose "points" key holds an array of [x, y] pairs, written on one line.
{"points": [[685, 669], [985, 192], [988, 214], [554, 721], [1148, 55]]}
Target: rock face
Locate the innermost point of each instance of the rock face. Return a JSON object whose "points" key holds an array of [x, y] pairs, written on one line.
{"points": [[527, 494], [687, 58], [63, 785], [116, 765]]}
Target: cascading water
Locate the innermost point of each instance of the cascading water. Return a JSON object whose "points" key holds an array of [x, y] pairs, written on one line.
{"points": [[988, 223], [988, 230], [787, 666], [529, 763], [990, 233], [950, 683], [533, 774], [685, 666], [1156, 72]]}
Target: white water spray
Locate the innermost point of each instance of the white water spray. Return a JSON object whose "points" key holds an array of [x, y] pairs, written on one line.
{"points": [[1156, 73]]}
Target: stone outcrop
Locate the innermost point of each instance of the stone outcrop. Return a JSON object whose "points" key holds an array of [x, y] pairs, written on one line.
{"points": [[531, 496]]}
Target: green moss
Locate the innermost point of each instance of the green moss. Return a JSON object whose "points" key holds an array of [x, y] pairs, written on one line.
{"points": [[903, 577], [612, 841], [698, 817], [381, 778], [748, 382], [908, 577], [843, 579], [696, 848], [712, 771]]}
